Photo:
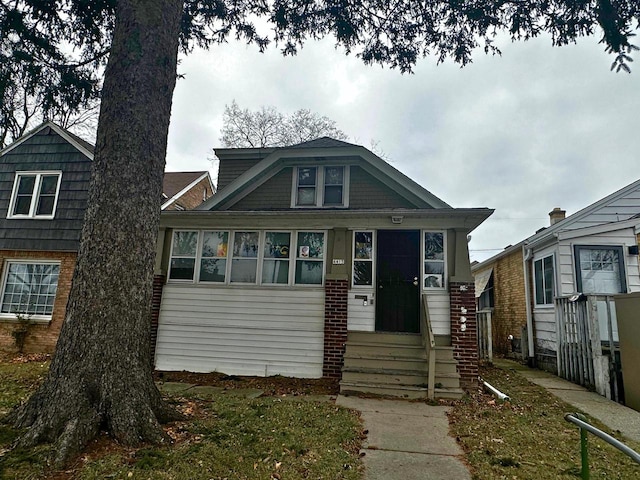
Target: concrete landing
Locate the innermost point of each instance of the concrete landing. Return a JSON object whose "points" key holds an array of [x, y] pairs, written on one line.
{"points": [[408, 440]]}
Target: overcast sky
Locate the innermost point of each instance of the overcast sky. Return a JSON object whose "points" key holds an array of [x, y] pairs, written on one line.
{"points": [[537, 128]]}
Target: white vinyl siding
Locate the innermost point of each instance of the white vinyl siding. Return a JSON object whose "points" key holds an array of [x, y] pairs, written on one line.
{"points": [[241, 331], [439, 312], [361, 317]]}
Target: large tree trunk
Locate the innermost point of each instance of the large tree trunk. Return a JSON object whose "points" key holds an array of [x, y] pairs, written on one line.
{"points": [[101, 374]]}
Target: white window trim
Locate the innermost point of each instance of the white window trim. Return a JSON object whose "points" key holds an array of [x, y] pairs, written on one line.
{"points": [[535, 287], [445, 275], [35, 195], [373, 259], [293, 258], [34, 318], [319, 203]]}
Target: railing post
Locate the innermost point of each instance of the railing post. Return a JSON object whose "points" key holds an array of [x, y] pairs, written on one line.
{"points": [[584, 454]]}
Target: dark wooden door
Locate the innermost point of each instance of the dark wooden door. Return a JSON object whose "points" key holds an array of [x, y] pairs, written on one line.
{"points": [[397, 281]]}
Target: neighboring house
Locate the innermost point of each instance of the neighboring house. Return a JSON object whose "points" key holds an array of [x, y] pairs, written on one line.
{"points": [[44, 182], [186, 190], [306, 250], [593, 252]]}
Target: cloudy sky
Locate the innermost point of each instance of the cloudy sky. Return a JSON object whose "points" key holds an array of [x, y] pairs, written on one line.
{"points": [[537, 128]]}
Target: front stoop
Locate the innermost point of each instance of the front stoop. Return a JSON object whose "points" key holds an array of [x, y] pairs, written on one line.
{"points": [[395, 364]]}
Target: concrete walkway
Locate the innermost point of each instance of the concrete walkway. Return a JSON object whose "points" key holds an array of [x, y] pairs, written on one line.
{"points": [[615, 416], [407, 440]]}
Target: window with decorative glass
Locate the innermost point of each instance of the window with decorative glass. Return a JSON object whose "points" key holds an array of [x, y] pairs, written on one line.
{"points": [[362, 259], [35, 195], [29, 288], [434, 260]]}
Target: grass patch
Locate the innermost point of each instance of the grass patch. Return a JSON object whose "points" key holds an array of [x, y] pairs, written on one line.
{"points": [[528, 438], [224, 436]]}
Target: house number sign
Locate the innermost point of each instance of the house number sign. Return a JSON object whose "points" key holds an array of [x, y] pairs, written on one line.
{"points": [[338, 261]]}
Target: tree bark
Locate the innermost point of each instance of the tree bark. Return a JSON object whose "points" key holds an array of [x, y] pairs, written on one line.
{"points": [[101, 374]]}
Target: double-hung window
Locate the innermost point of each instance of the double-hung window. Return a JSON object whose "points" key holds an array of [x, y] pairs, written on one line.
{"points": [[35, 195], [320, 186], [543, 280], [29, 288], [248, 257]]}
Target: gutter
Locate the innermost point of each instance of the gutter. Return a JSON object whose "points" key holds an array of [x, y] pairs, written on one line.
{"points": [[526, 256]]}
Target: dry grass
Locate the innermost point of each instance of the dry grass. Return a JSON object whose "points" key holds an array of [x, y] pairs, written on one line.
{"points": [[528, 437]]}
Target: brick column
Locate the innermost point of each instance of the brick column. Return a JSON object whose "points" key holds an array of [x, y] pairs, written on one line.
{"points": [[335, 327], [464, 333], [158, 284]]}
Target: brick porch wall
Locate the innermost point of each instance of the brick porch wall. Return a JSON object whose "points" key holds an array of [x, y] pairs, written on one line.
{"points": [[335, 327], [158, 284], [465, 343], [43, 336]]}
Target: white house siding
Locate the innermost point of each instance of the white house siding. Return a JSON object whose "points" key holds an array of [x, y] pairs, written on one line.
{"points": [[624, 238], [439, 312], [241, 331], [619, 209], [544, 317], [360, 317]]}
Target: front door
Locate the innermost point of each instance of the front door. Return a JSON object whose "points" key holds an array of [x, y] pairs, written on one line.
{"points": [[397, 282]]}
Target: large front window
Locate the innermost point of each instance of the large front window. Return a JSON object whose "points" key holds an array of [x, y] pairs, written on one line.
{"points": [[320, 186], [35, 195], [29, 288], [254, 257], [543, 277], [600, 269]]}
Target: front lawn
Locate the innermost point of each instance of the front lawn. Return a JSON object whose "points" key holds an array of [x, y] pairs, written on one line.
{"points": [[226, 436]]}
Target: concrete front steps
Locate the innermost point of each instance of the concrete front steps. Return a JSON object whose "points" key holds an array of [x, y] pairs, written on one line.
{"points": [[395, 364]]}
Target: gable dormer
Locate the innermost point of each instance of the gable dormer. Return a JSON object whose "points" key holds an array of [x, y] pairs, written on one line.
{"points": [[320, 174]]}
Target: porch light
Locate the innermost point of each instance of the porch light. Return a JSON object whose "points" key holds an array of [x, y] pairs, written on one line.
{"points": [[397, 219]]}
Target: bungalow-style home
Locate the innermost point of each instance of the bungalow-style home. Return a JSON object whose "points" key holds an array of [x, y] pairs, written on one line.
{"points": [[319, 259], [541, 281], [44, 181]]}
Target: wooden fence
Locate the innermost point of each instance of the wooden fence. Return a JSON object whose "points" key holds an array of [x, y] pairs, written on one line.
{"points": [[485, 342], [587, 342]]}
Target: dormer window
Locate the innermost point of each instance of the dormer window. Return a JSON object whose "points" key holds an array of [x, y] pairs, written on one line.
{"points": [[320, 187], [35, 195]]}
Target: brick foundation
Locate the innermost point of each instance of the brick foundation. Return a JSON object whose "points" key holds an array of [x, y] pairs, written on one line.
{"points": [[42, 337], [465, 343], [335, 327], [158, 284]]}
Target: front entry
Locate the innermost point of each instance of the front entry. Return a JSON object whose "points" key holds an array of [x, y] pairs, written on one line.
{"points": [[397, 282]]}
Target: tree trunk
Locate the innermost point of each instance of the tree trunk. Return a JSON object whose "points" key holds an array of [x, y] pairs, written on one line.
{"points": [[101, 374]]}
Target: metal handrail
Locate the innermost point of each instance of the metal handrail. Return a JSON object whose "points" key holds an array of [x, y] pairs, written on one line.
{"points": [[585, 427], [430, 347]]}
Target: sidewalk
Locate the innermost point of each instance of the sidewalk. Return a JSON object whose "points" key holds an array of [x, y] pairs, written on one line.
{"points": [[615, 416], [407, 440]]}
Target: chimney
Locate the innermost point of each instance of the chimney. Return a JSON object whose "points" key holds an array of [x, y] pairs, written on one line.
{"points": [[556, 215]]}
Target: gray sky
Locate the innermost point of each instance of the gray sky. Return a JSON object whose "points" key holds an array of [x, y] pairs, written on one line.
{"points": [[537, 128]]}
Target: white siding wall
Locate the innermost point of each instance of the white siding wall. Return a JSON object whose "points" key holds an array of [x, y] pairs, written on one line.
{"points": [[361, 318], [544, 317], [439, 312], [624, 238], [620, 209], [241, 331]]}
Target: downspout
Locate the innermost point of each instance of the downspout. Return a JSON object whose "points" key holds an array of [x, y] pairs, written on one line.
{"points": [[526, 256]]}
